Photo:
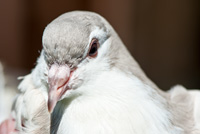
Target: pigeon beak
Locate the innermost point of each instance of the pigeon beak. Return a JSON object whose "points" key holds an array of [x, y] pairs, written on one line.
{"points": [[58, 77]]}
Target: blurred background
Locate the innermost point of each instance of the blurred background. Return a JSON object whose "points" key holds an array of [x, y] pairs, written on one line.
{"points": [[163, 36]]}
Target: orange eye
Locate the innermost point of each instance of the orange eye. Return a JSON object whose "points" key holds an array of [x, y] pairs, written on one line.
{"points": [[93, 48]]}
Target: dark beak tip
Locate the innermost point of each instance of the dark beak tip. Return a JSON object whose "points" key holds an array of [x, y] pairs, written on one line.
{"points": [[49, 110], [51, 105]]}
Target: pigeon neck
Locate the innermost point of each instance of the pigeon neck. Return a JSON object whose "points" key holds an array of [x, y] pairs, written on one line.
{"points": [[127, 63]]}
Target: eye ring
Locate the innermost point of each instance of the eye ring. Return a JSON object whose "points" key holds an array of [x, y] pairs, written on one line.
{"points": [[93, 50]]}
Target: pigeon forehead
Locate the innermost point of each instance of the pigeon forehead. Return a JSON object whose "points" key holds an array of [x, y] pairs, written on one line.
{"points": [[66, 38]]}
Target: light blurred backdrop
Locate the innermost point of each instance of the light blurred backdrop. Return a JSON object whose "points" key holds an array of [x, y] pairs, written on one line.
{"points": [[162, 35]]}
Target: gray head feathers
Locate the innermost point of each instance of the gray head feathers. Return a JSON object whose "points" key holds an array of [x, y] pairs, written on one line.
{"points": [[66, 38]]}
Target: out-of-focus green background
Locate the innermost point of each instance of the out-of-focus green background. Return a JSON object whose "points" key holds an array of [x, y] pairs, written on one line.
{"points": [[162, 35]]}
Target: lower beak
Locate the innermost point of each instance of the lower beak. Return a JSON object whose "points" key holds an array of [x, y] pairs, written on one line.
{"points": [[58, 77], [53, 98]]}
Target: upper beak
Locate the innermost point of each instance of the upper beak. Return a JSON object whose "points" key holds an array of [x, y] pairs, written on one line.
{"points": [[58, 77]]}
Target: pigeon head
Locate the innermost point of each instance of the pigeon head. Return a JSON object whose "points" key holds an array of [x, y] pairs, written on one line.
{"points": [[76, 48]]}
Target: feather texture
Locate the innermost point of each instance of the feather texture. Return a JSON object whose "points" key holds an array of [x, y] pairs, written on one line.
{"points": [[7, 94], [31, 114], [106, 94]]}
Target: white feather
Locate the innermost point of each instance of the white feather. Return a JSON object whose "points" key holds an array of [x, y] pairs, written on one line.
{"points": [[7, 94], [196, 95], [31, 114], [125, 106], [2, 88]]}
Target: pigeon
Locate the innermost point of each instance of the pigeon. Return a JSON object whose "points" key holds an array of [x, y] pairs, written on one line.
{"points": [[7, 92], [29, 115], [96, 86], [92, 84]]}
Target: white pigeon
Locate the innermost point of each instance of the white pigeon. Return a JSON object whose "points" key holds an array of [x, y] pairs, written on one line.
{"points": [[29, 115], [29, 111], [7, 92], [94, 86]]}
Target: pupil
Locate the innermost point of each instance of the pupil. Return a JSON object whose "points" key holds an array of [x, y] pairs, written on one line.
{"points": [[93, 49]]}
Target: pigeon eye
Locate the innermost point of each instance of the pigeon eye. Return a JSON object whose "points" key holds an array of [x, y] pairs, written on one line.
{"points": [[93, 48]]}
